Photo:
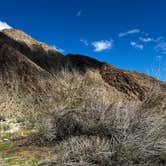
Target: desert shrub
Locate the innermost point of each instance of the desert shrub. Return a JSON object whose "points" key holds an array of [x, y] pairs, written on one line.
{"points": [[144, 143], [86, 151], [75, 100], [105, 123], [78, 115], [141, 147], [135, 135]]}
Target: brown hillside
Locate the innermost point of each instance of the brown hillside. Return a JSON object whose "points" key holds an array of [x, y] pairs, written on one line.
{"points": [[133, 84], [31, 60]]}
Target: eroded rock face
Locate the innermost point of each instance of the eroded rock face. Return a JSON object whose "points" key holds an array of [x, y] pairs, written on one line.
{"points": [[25, 59], [122, 82], [133, 84]]}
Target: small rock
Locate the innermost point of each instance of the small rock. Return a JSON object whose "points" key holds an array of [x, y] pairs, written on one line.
{"points": [[2, 119], [5, 139]]}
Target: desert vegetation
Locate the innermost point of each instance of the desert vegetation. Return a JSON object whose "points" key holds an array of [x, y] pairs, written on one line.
{"points": [[78, 119]]}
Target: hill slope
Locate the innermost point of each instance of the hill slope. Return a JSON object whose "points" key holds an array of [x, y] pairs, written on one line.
{"points": [[31, 61]]}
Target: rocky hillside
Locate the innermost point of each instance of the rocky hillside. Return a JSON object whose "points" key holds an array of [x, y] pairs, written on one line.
{"points": [[23, 58]]}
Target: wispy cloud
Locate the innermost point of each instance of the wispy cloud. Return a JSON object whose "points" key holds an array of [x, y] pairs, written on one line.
{"points": [[136, 45], [130, 32], [161, 47], [79, 13], [147, 39], [102, 45], [58, 49], [4, 25], [85, 42]]}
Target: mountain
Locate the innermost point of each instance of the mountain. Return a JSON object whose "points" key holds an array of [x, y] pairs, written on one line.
{"points": [[70, 109], [29, 64]]}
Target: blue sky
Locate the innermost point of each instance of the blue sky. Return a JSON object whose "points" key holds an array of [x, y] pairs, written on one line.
{"points": [[130, 34]]}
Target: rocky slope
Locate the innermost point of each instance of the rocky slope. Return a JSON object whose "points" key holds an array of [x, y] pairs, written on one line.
{"points": [[24, 59]]}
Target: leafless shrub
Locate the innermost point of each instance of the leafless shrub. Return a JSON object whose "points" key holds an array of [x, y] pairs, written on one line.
{"points": [[78, 113], [143, 143], [86, 151], [72, 99]]}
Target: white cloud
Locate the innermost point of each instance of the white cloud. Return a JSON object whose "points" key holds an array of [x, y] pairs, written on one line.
{"points": [[85, 42], [58, 49], [79, 13], [102, 45], [161, 47], [136, 45], [4, 25], [146, 39], [133, 31]]}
